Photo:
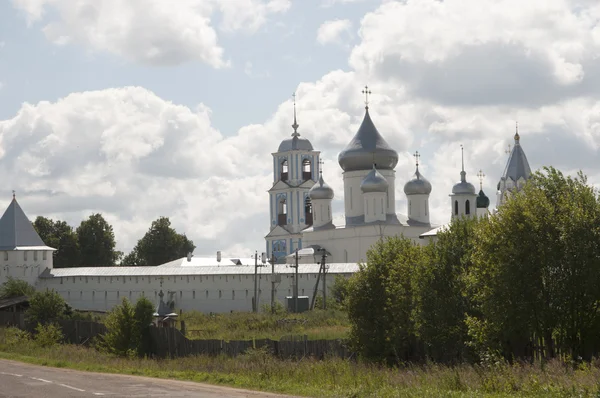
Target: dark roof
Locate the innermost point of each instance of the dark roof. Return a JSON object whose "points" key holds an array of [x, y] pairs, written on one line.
{"points": [[16, 229], [9, 302], [483, 202]]}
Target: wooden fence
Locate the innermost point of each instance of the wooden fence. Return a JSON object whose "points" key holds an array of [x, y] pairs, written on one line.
{"points": [[171, 343]]}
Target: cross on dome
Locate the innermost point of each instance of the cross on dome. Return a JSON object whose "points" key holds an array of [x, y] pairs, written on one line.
{"points": [[321, 166], [481, 177], [366, 92], [417, 156]]}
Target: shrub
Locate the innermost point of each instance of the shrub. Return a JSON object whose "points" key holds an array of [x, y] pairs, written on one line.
{"points": [[45, 307], [128, 329], [48, 335], [15, 288]]}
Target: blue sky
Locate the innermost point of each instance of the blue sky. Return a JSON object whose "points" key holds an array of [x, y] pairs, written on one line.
{"points": [[127, 107]]}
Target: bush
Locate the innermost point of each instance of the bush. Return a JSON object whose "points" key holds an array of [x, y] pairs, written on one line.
{"points": [[48, 335], [45, 307], [15, 288], [129, 329], [15, 337]]}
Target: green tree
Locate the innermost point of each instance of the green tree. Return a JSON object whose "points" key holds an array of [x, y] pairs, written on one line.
{"points": [[441, 302], [97, 242], [15, 288], [159, 245], [536, 267], [339, 291], [45, 307], [128, 328], [59, 235], [380, 301], [143, 316]]}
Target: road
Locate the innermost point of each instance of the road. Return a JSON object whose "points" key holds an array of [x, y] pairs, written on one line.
{"points": [[23, 380]]}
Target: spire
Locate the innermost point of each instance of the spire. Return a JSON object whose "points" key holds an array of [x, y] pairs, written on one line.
{"points": [[463, 174], [481, 177], [295, 125], [14, 194], [366, 92], [517, 136]]}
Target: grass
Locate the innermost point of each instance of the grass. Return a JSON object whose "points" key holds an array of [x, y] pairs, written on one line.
{"points": [[329, 378], [318, 324]]}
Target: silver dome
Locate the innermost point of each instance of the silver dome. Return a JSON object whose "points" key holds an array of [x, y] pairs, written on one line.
{"points": [[463, 187], [296, 143], [367, 147], [320, 190], [374, 182], [417, 185]]}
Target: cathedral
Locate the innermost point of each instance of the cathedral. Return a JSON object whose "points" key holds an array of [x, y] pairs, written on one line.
{"points": [[302, 229], [301, 201]]}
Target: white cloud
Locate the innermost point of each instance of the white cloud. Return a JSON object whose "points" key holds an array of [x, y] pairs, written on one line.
{"points": [[150, 31], [330, 3], [334, 31]]}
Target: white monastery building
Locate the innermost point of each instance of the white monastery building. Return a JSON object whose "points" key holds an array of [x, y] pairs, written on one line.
{"points": [[301, 229]]}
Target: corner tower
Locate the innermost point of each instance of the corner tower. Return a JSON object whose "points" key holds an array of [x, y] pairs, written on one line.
{"points": [[295, 172], [367, 148], [463, 198], [515, 174]]}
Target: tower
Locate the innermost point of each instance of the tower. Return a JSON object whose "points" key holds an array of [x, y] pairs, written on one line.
{"points": [[321, 196], [366, 148], [417, 191], [295, 170], [515, 174], [374, 188], [463, 197]]}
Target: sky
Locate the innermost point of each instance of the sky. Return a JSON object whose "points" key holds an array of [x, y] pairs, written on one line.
{"points": [[138, 109]]}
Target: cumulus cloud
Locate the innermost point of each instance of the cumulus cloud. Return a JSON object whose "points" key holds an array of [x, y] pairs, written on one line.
{"points": [[334, 31], [150, 31]]}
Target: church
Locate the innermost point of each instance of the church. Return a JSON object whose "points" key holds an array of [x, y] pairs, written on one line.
{"points": [[300, 201], [301, 229]]}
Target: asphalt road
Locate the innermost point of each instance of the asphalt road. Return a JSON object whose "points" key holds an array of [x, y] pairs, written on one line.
{"points": [[23, 380]]}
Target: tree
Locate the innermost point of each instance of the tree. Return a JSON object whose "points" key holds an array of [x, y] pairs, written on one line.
{"points": [[380, 301], [45, 307], [128, 328], [15, 288], [59, 235], [159, 245], [97, 242], [536, 270], [441, 302]]}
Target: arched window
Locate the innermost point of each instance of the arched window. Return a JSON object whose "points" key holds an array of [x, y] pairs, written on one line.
{"points": [[306, 170], [456, 207], [282, 213], [308, 216], [467, 207], [284, 170]]}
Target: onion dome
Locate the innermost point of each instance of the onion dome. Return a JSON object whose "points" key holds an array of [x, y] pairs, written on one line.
{"points": [[320, 190], [463, 186], [483, 202], [296, 143], [417, 185], [367, 147], [374, 182]]}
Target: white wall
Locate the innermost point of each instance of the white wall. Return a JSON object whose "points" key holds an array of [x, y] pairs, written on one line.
{"points": [[26, 265], [418, 208], [353, 196]]}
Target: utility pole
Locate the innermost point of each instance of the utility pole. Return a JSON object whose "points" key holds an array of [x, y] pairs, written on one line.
{"points": [[295, 294], [273, 283], [255, 302], [324, 279]]}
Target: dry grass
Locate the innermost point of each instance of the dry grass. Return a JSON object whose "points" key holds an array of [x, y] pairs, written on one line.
{"points": [[330, 378]]}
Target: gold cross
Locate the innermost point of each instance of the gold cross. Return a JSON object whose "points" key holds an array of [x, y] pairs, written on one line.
{"points": [[481, 177], [366, 92], [417, 156], [508, 150]]}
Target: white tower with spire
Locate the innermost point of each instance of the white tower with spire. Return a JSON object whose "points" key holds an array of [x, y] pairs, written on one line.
{"points": [[463, 197], [417, 191], [295, 171], [515, 174]]}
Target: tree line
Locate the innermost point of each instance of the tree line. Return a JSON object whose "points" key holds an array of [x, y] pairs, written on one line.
{"points": [[92, 243], [521, 284]]}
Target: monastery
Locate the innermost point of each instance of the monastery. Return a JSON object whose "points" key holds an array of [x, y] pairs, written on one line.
{"points": [[301, 230]]}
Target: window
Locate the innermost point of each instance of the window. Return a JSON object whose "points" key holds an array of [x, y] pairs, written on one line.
{"points": [[5, 256], [194, 294], [467, 207], [306, 170], [308, 216], [25, 255], [35, 255], [456, 207], [44, 255], [282, 213], [284, 170]]}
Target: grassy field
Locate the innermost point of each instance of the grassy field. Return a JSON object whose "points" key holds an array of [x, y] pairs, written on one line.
{"points": [[330, 378], [331, 324]]}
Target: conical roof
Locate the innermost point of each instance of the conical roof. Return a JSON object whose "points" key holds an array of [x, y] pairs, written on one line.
{"points": [[367, 147], [517, 166], [16, 229]]}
